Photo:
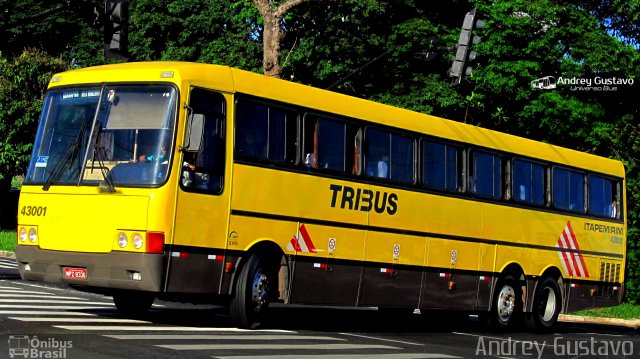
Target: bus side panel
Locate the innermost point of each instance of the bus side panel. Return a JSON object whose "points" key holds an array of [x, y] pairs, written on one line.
{"points": [[452, 277], [320, 278], [393, 274], [486, 268]]}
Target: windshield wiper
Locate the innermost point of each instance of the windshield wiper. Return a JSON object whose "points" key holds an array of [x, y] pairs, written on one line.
{"points": [[70, 155], [101, 153]]}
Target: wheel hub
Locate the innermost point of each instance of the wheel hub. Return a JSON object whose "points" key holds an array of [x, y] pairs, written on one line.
{"points": [[506, 303], [260, 289]]}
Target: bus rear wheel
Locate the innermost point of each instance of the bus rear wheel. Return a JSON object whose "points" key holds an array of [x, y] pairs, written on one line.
{"points": [[547, 304], [133, 303], [507, 304], [252, 294]]}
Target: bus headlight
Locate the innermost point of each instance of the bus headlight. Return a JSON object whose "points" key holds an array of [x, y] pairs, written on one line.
{"points": [[137, 241], [33, 235], [23, 234], [122, 240]]}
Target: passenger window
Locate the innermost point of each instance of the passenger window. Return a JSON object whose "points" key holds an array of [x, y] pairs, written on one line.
{"points": [[528, 182], [389, 155], [264, 132], [485, 178], [331, 144], [441, 166], [568, 190], [603, 197]]}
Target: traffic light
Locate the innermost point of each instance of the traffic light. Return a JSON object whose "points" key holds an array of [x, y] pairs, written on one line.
{"points": [[115, 28], [464, 53]]}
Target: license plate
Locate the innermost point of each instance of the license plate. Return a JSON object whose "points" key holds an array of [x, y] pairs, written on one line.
{"points": [[74, 273]]}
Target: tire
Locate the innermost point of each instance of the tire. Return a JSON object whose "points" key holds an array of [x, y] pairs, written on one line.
{"points": [[133, 303], [547, 304], [252, 294], [506, 312]]}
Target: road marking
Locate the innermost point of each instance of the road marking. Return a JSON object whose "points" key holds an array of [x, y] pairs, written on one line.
{"points": [[382, 339], [21, 291], [166, 328], [79, 320], [262, 346], [43, 312], [604, 334], [35, 285], [346, 356], [13, 295], [83, 306], [53, 301], [218, 337]]}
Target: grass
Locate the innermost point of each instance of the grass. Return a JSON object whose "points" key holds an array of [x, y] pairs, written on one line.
{"points": [[622, 311], [7, 241]]}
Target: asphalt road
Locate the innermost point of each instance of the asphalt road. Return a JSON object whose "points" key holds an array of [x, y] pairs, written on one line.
{"points": [[39, 320]]}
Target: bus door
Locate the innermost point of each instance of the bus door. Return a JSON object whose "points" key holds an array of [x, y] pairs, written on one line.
{"points": [[202, 212]]}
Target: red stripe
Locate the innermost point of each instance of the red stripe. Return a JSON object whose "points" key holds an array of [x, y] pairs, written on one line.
{"points": [[575, 243], [577, 246], [564, 254], [573, 236], [566, 263], [573, 258], [307, 239], [296, 246]]}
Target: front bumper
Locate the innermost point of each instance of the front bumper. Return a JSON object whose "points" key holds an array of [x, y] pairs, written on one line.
{"points": [[113, 270]]}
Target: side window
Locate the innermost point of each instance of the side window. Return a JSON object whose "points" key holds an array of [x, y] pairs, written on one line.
{"points": [[389, 155], [203, 171], [331, 144], [264, 132], [485, 177], [528, 182], [568, 190], [603, 197], [441, 166]]}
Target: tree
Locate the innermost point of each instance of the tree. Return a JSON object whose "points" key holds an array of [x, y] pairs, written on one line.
{"points": [[218, 32], [58, 27], [273, 32]]}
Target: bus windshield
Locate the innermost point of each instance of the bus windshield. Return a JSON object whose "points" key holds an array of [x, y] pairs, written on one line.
{"points": [[119, 135]]}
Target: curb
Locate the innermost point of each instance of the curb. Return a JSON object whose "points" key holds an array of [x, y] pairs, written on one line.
{"points": [[628, 323], [7, 254]]}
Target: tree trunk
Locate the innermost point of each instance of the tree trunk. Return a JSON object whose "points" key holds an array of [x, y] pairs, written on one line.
{"points": [[272, 36], [273, 33]]}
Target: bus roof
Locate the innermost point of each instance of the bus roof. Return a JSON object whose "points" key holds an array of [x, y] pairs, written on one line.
{"points": [[231, 80]]}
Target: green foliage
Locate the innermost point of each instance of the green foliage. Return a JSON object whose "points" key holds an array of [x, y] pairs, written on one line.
{"points": [[23, 81], [622, 311], [191, 30], [8, 241]]}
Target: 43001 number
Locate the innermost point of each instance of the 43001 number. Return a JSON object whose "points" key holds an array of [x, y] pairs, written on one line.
{"points": [[33, 211]]}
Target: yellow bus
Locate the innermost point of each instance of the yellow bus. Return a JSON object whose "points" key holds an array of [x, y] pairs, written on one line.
{"points": [[208, 184]]}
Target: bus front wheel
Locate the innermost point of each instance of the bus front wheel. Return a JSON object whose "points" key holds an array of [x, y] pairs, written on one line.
{"points": [[252, 292], [546, 304]]}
